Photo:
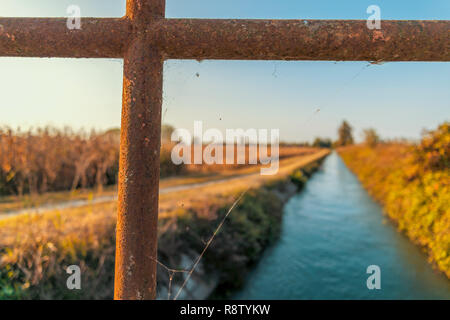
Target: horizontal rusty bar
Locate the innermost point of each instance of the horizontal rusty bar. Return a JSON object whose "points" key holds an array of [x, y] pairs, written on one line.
{"points": [[301, 40], [50, 37]]}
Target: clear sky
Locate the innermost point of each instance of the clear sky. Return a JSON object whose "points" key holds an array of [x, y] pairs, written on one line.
{"points": [[398, 99]]}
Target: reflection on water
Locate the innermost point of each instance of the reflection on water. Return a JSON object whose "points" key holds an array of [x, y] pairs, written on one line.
{"points": [[332, 232]]}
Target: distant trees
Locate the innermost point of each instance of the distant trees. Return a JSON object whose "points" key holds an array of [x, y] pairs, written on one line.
{"points": [[322, 143], [345, 135], [371, 137]]}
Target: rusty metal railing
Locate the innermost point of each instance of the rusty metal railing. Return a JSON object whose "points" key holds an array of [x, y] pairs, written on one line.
{"points": [[144, 38]]}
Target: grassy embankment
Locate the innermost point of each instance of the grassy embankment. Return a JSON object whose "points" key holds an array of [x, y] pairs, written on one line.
{"points": [[413, 185], [36, 249]]}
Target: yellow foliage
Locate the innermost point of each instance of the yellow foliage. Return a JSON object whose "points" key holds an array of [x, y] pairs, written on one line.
{"points": [[413, 185]]}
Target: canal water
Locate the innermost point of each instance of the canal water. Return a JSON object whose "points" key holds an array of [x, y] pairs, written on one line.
{"points": [[332, 231]]}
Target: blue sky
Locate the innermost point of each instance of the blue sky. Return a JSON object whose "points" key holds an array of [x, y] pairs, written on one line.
{"points": [[398, 99]]}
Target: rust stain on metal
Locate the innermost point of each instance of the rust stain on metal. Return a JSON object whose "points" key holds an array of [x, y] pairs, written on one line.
{"points": [[144, 39], [50, 37], [202, 39], [136, 246], [296, 40]]}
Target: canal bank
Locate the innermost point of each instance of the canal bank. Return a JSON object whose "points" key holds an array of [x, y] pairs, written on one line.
{"points": [[331, 233], [252, 225]]}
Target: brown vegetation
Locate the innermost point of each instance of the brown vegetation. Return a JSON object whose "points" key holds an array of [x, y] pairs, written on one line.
{"points": [[50, 159]]}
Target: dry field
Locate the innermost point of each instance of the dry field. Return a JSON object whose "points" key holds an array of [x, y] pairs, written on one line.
{"points": [[50, 166], [36, 248]]}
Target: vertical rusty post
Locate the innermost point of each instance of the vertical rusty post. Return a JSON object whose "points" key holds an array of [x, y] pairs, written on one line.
{"points": [[136, 248]]}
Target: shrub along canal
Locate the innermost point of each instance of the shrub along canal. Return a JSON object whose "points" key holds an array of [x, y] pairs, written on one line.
{"points": [[332, 231]]}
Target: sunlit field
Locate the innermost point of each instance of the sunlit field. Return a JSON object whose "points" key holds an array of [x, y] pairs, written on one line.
{"points": [[35, 248]]}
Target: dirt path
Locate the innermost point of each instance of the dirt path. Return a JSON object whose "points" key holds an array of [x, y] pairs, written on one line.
{"points": [[102, 199], [285, 164]]}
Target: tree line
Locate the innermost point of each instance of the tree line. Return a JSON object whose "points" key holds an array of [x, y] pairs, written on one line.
{"points": [[345, 137]]}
